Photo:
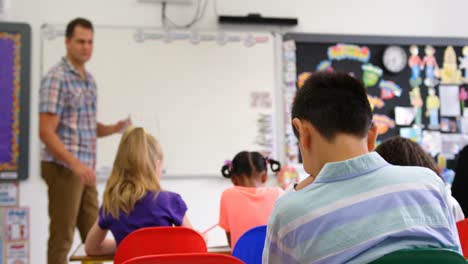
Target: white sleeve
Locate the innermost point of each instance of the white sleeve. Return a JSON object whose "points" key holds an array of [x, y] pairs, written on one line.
{"points": [[454, 205]]}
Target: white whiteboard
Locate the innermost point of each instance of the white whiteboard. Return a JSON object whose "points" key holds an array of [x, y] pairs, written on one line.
{"points": [[202, 101]]}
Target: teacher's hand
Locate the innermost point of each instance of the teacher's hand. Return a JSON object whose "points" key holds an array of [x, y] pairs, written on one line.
{"points": [[86, 174], [123, 124]]}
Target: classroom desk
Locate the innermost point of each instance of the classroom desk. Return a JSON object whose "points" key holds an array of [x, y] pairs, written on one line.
{"points": [[80, 255]]}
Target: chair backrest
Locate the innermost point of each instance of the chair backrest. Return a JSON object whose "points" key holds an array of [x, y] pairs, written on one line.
{"points": [[192, 258], [462, 227], [249, 247], [426, 256], [159, 240]]}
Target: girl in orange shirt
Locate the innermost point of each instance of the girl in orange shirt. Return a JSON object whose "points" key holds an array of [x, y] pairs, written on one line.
{"points": [[248, 203]]}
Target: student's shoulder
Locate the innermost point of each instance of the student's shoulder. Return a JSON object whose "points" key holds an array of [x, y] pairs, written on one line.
{"points": [[414, 173], [230, 191], [168, 195], [287, 200], [274, 190]]}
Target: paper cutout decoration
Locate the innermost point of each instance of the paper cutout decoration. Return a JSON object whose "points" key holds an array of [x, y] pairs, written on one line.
{"points": [[464, 63], [431, 67], [375, 102], [326, 66], [371, 74], [286, 176], [450, 74], [383, 123], [394, 59], [417, 103], [389, 89], [302, 78], [432, 109], [415, 63], [351, 52], [404, 116], [386, 95]]}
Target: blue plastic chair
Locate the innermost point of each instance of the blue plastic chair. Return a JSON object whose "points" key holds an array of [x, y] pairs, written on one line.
{"points": [[249, 247]]}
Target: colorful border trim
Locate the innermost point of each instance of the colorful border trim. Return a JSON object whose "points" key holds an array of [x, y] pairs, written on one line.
{"points": [[12, 165]]}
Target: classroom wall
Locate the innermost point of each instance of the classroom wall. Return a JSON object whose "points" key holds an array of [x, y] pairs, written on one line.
{"points": [[398, 17]]}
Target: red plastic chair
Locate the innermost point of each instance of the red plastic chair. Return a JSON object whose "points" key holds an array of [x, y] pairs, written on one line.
{"points": [[462, 227], [192, 258], [159, 240]]}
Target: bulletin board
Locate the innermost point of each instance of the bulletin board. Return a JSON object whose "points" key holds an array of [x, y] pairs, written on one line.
{"points": [[205, 95], [15, 53], [398, 93]]}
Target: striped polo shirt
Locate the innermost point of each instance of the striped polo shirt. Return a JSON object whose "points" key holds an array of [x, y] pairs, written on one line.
{"points": [[359, 210], [73, 99]]}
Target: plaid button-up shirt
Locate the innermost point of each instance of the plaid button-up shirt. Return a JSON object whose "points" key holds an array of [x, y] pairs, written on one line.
{"points": [[73, 99]]}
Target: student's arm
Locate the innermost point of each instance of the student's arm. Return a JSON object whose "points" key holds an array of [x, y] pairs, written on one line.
{"points": [[223, 215], [97, 243], [48, 123], [186, 223], [228, 236]]}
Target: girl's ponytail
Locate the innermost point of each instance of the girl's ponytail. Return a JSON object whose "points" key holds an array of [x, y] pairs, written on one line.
{"points": [[275, 165], [226, 170]]}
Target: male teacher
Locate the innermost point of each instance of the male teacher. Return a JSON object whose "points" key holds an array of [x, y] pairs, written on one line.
{"points": [[69, 129]]}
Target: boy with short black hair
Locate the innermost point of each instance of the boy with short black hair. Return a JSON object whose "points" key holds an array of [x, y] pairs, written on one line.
{"points": [[354, 207]]}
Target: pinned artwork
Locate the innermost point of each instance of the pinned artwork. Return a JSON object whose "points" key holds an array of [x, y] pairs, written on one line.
{"points": [[448, 125], [286, 176], [452, 144], [464, 63], [449, 100], [16, 224], [432, 108], [431, 67], [371, 74], [17, 252], [326, 66], [302, 78], [431, 142], [463, 97], [9, 194], [389, 89], [375, 102], [404, 116], [411, 133], [450, 74], [351, 52], [464, 125], [265, 137], [415, 63], [417, 103], [261, 100], [383, 123]]}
